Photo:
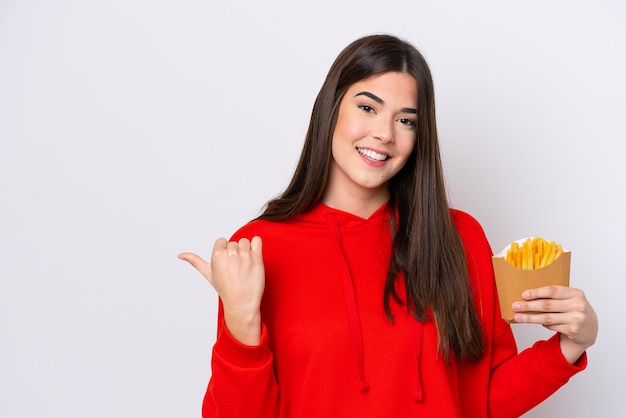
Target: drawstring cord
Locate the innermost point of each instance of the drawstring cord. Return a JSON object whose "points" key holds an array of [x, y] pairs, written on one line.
{"points": [[354, 319], [418, 333]]}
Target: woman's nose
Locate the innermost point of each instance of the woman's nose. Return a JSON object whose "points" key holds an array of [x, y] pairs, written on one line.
{"points": [[383, 130]]}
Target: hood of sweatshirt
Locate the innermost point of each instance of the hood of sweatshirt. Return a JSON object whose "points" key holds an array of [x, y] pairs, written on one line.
{"points": [[337, 222]]}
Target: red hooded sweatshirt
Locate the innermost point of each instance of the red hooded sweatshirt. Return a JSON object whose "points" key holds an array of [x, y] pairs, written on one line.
{"points": [[328, 349]]}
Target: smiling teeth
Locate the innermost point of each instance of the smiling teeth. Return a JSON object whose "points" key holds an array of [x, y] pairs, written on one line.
{"points": [[372, 155]]}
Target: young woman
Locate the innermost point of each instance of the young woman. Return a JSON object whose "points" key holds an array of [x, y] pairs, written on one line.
{"points": [[359, 292]]}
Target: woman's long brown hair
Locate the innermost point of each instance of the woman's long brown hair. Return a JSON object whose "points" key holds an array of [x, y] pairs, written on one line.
{"points": [[426, 247]]}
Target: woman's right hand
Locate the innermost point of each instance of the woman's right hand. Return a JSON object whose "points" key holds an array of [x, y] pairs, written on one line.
{"points": [[236, 272]]}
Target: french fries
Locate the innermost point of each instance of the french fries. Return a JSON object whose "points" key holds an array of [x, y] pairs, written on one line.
{"points": [[534, 253]]}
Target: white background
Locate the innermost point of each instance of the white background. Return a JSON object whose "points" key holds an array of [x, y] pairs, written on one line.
{"points": [[133, 130]]}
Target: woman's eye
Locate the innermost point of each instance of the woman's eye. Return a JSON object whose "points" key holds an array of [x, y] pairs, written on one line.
{"points": [[407, 121], [366, 108]]}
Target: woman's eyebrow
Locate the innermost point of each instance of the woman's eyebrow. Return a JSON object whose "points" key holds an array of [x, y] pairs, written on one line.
{"points": [[381, 101], [371, 96]]}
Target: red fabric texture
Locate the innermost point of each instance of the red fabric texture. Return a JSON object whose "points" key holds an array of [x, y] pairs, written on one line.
{"points": [[328, 350]]}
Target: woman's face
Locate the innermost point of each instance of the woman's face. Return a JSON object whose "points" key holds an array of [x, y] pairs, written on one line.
{"points": [[374, 136]]}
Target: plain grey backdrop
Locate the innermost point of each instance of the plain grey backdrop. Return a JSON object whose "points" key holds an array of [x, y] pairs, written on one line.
{"points": [[133, 130]]}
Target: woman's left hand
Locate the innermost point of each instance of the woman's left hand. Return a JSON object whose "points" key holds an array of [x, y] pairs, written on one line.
{"points": [[562, 309]]}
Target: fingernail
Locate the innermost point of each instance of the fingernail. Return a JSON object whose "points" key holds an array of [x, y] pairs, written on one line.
{"points": [[517, 306], [526, 295], [517, 318]]}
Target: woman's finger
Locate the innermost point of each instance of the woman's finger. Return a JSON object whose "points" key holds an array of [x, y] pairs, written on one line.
{"points": [[256, 247], [543, 305], [551, 292], [199, 264], [244, 245], [550, 319]]}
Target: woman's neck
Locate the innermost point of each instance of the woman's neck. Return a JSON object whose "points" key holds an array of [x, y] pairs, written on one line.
{"points": [[362, 205]]}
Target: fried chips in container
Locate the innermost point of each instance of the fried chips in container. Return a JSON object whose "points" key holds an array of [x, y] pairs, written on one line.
{"points": [[528, 263]]}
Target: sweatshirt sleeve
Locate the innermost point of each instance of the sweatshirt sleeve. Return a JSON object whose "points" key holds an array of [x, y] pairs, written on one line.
{"points": [[517, 381], [521, 381], [243, 383]]}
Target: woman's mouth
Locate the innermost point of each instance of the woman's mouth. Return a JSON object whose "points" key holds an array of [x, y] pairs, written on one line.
{"points": [[372, 155]]}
